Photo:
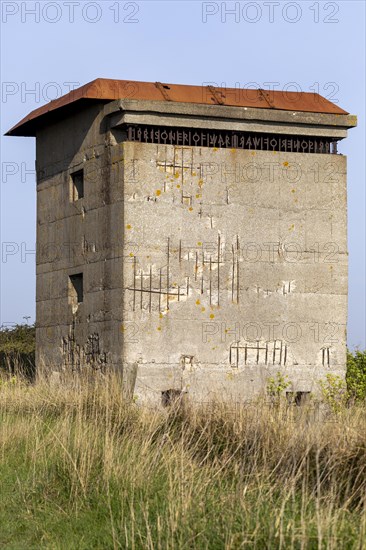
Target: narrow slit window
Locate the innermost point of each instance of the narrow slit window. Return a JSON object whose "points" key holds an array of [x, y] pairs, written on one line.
{"points": [[77, 185], [76, 289]]}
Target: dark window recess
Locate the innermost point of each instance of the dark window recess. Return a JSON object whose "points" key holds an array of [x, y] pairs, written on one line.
{"points": [[326, 356], [76, 289], [229, 139], [77, 185], [171, 397], [297, 397]]}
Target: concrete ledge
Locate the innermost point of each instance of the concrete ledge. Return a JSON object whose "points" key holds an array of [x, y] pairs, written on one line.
{"points": [[177, 110], [229, 124]]}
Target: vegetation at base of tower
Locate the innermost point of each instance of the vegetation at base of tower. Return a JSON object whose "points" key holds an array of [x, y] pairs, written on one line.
{"points": [[277, 385], [17, 350], [334, 392], [81, 468], [338, 392], [356, 375]]}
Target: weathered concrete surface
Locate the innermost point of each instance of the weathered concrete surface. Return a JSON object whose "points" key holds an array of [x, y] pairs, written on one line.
{"points": [[247, 259], [205, 270], [73, 237]]}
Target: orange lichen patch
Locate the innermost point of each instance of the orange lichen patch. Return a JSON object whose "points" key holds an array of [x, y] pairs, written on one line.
{"points": [[128, 226], [285, 163], [212, 316], [158, 192], [252, 153], [198, 302], [190, 208]]}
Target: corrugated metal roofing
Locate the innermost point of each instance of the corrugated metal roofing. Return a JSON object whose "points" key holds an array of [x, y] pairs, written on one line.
{"points": [[105, 90]]}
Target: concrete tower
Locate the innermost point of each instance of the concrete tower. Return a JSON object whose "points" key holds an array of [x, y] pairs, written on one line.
{"points": [[193, 238]]}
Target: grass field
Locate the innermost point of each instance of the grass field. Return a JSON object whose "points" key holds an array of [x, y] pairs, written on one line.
{"points": [[82, 469]]}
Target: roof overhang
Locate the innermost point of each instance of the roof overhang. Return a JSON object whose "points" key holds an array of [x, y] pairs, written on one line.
{"points": [[173, 95]]}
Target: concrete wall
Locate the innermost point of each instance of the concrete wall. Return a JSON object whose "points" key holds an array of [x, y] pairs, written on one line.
{"points": [[205, 270], [249, 251], [73, 237]]}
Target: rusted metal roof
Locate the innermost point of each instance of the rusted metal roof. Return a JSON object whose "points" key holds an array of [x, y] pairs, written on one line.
{"points": [[104, 90]]}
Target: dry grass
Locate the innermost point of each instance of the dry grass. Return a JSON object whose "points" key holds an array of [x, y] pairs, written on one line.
{"points": [[80, 468]]}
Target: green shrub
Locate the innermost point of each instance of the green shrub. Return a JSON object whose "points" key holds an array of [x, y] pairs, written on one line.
{"points": [[338, 392], [17, 350], [277, 386], [334, 392], [356, 375]]}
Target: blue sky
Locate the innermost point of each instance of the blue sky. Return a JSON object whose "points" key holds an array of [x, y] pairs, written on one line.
{"points": [[49, 47]]}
